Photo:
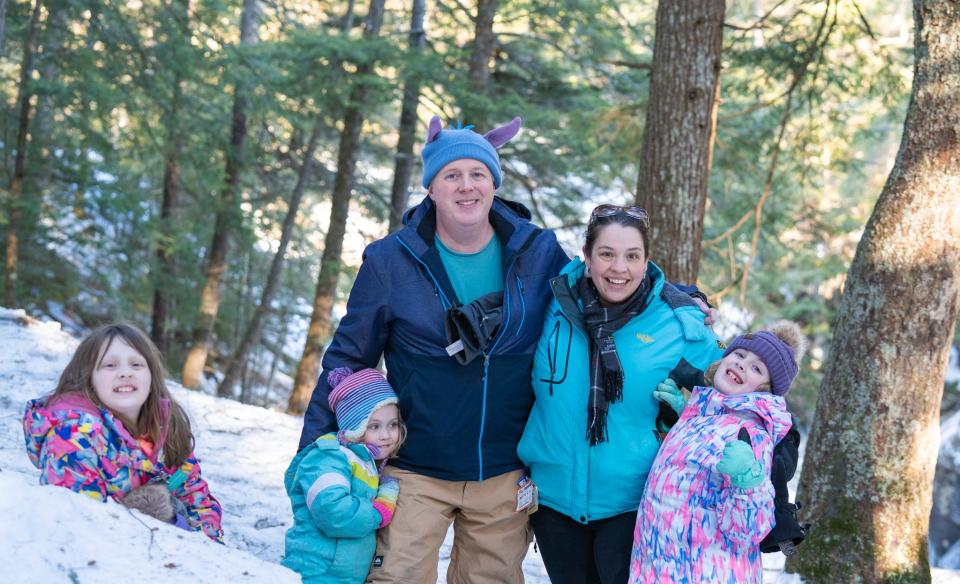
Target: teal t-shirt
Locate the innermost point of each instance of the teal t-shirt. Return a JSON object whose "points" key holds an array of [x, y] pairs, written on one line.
{"points": [[473, 274]]}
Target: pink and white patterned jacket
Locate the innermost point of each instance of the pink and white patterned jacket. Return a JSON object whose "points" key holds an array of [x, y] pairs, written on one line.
{"points": [[693, 525], [86, 449]]}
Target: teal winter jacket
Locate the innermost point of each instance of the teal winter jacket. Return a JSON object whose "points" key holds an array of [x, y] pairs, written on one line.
{"points": [[331, 488], [590, 483]]}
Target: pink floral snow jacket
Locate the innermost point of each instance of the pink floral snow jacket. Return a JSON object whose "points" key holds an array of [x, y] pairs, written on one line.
{"points": [[693, 525], [86, 449]]}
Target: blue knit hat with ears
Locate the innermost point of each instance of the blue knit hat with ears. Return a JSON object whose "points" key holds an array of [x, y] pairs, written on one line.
{"points": [[780, 347], [445, 146]]}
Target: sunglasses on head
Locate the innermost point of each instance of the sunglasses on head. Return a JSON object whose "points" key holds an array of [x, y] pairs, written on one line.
{"points": [[611, 210]]}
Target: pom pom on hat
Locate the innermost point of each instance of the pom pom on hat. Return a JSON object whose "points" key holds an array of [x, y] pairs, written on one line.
{"points": [[355, 396], [338, 375], [780, 347], [789, 332]]}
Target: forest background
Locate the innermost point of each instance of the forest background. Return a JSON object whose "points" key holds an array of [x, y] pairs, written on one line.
{"points": [[212, 170], [165, 148]]}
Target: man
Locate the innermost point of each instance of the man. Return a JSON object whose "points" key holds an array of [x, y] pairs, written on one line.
{"points": [[459, 463]]}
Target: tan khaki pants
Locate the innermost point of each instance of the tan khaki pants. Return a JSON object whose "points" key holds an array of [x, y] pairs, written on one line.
{"points": [[490, 537]]}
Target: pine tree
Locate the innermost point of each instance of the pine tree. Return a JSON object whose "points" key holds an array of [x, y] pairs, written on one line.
{"points": [[330, 263], [228, 214], [15, 202], [403, 168]]}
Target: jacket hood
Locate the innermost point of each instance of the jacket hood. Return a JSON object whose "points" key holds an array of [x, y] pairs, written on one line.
{"points": [[518, 208], [327, 442], [49, 418]]}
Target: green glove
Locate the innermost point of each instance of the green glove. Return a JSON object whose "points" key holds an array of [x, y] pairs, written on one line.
{"points": [[668, 392], [740, 465]]}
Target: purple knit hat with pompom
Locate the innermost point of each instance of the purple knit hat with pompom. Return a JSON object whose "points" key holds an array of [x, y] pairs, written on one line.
{"points": [[355, 396], [780, 347]]}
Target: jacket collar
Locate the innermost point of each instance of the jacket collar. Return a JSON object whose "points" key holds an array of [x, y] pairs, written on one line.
{"points": [[60, 407], [576, 269], [510, 222], [768, 409]]}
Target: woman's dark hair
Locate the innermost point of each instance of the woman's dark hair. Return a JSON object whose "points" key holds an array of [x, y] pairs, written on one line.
{"points": [[77, 377], [604, 215]]}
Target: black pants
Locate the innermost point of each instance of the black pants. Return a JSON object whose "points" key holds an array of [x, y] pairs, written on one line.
{"points": [[597, 552]]}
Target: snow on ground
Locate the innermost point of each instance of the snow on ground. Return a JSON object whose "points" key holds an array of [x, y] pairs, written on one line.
{"points": [[50, 534]]}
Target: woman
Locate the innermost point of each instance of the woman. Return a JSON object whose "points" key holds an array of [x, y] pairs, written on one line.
{"points": [[614, 329]]}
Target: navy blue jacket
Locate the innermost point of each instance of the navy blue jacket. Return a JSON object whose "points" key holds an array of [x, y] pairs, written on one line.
{"points": [[463, 421]]}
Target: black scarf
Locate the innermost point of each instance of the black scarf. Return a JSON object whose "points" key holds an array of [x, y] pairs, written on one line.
{"points": [[606, 373]]}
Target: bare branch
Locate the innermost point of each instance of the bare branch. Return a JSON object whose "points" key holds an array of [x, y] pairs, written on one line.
{"points": [[863, 19], [628, 64], [757, 24]]}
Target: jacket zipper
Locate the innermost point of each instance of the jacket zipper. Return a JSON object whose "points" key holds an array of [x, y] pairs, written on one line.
{"points": [[523, 305], [486, 365]]}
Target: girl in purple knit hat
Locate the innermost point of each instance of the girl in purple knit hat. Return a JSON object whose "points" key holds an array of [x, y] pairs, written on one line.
{"points": [[708, 499]]}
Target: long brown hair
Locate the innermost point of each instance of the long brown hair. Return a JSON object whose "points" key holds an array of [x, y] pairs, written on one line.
{"points": [[77, 377]]}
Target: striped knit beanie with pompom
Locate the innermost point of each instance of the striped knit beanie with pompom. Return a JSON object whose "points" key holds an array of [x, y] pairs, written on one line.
{"points": [[355, 396], [781, 347]]}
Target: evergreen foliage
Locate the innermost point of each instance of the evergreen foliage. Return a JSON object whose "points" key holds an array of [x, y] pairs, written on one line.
{"points": [[820, 87]]}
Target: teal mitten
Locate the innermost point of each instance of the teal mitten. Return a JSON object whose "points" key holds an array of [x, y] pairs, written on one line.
{"points": [[740, 465], [668, 392]]}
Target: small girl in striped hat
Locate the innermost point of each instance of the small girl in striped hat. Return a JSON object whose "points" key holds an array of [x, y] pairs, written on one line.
{"points": [[338, 495]]}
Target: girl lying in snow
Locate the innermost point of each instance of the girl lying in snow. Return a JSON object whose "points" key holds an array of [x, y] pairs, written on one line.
{"points": [[111, 429]]}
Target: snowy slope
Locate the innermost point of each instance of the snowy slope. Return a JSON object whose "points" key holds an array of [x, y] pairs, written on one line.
{"points": [[50, 534], [53, 535]]}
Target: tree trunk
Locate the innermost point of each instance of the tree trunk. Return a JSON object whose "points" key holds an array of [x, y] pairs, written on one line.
{"points": [[228, 215], [277, 355], [252, 334], [483, 43], [3, 22], [319, 328], [400, 192], [14, 204], [165, 267], [677, 146], [172, 186], [43, 125], [867, 478]]}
